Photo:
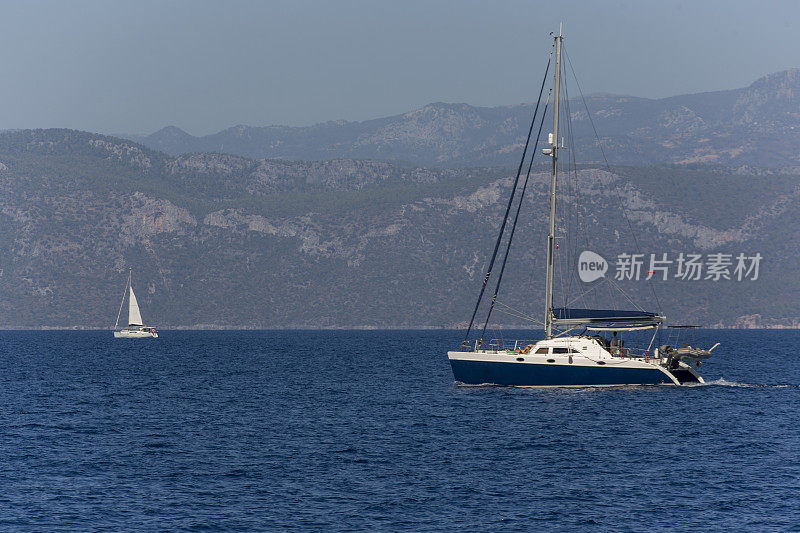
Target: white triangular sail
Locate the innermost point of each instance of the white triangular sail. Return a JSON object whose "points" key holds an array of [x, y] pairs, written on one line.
{"points": [[134, 316]]}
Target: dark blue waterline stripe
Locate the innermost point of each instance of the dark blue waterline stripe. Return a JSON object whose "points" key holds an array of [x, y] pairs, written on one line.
{"points": [[523, 374]]}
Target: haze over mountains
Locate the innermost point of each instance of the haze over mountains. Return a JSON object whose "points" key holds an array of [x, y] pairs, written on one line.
{"points": [[755, 125], [389, 223]]}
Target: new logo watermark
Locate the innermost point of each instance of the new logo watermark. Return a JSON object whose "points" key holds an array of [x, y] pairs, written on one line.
{"points": [[683, 266], [591, 266]]}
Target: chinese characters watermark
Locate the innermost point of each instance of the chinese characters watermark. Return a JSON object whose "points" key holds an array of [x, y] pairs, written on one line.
{"points": [[682, 266]]}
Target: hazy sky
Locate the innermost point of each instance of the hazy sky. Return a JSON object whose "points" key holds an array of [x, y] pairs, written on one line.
{"points": [[136, 66]]}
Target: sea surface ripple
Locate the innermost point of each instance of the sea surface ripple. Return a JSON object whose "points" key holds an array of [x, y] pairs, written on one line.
{"points": [[365, 430]]}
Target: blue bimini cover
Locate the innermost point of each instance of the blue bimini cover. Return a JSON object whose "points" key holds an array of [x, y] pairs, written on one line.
{"points": [[565, 315]]}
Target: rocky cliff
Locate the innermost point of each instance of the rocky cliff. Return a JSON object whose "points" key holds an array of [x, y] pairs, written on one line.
{"points": [[224, 240]]}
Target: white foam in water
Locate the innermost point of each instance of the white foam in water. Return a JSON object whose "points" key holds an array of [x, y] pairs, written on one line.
{"points": [[722, 382]]}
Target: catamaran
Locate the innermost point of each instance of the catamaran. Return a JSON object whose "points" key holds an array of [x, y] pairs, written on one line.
{"points": [[136, 329], [563, 359]]}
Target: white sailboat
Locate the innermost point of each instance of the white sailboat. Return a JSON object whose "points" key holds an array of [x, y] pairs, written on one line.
{"points": [[561, 358], [136, 329]]}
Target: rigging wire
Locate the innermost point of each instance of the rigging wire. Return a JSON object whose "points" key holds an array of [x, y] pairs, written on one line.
{"points": [[569, 235], [561, 214], [633, 303], [508, 207], [516, 218], [582, 295], [579, 223], [580, 227], [119, 313], [518, 312], [572, 186], [608, 167], [569, 187], [523, 317]]}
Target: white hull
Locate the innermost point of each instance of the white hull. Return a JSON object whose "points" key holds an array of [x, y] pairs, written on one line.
{"points": [[587, 365], [560, 361], [135, 334], [135, 329]]}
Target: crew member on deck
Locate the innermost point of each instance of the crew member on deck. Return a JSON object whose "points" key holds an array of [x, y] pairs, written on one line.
{"points": [[614, 344]]}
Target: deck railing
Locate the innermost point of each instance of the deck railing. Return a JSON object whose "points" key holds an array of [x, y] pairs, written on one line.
{"points": [[520, 346]]}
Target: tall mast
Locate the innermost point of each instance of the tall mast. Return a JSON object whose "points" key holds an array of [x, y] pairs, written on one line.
{"points": [[125, 293], [551, 237], [130, 290]]}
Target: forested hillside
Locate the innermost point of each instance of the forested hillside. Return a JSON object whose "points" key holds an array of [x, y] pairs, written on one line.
{"points": [[226, 241]]}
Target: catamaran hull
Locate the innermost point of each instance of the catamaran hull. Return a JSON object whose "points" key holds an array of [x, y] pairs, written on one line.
{"points": [[471, 370], [135, 334]]}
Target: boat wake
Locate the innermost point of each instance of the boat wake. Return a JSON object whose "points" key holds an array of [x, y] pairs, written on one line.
{"points": [[722, 382]]}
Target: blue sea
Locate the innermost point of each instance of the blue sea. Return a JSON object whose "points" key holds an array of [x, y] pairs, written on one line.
{"points": [[365, 430]]}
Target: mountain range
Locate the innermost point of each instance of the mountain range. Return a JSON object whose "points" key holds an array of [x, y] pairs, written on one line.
{"points": [[222, 240], [755, 125], [390, 222]]}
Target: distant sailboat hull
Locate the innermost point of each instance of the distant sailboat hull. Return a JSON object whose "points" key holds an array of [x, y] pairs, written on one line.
{"points": [[148, 333], [135, 329], [502, 368]]}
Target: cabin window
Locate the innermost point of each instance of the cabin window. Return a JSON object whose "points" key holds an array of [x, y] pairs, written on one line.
{"points": [[565, 350], [541, 350]]}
